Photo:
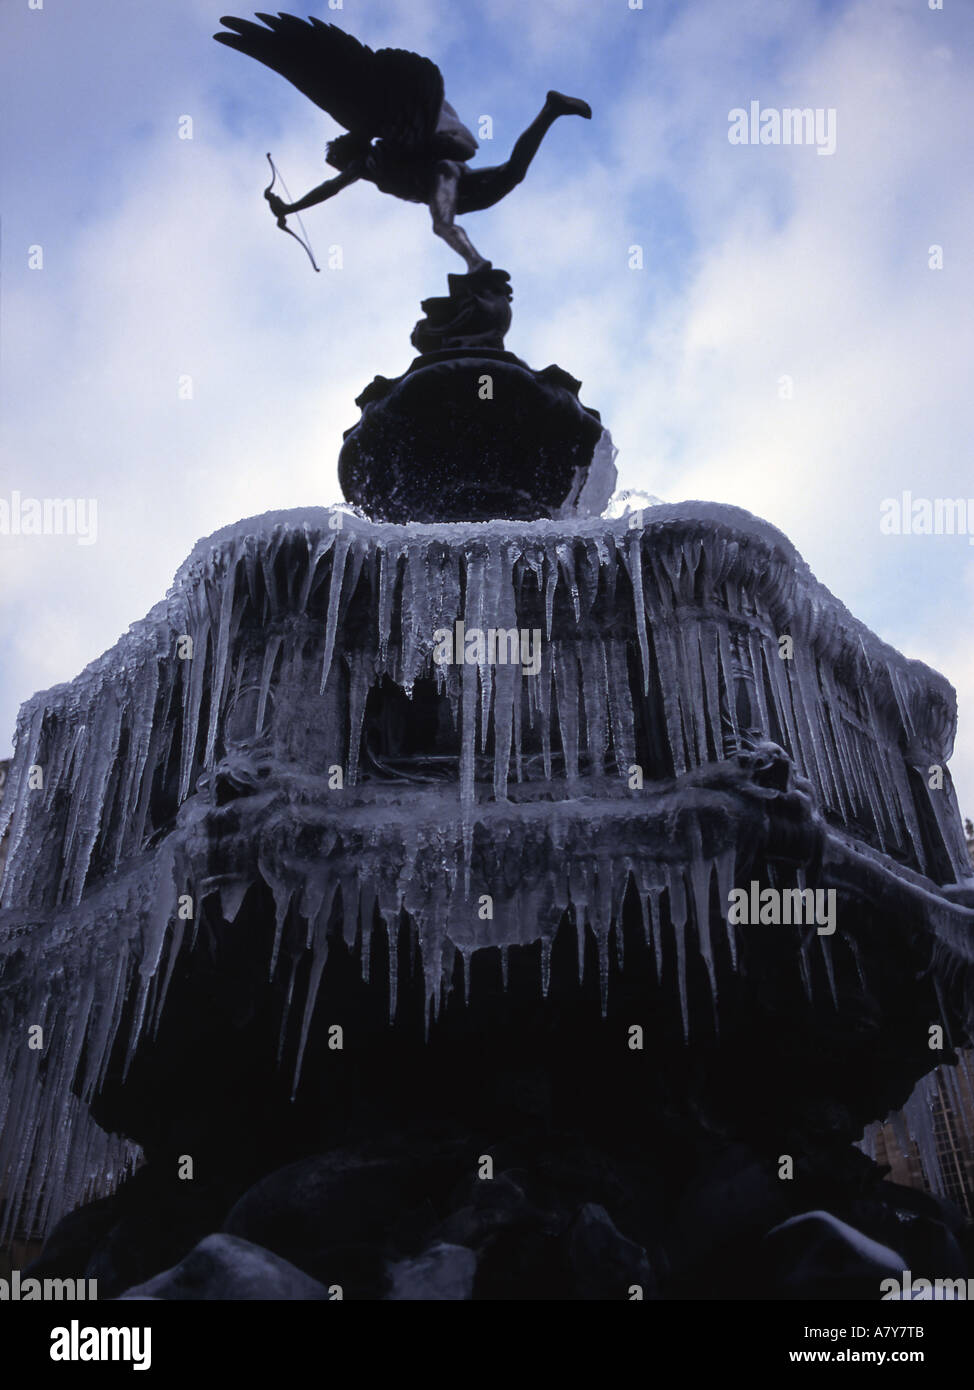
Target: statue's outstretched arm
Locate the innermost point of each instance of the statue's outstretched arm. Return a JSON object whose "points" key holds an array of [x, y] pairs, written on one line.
{"points": [[324, 191]]}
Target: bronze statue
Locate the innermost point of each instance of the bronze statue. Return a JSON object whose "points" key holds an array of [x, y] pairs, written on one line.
{"points": [[403, 136]]}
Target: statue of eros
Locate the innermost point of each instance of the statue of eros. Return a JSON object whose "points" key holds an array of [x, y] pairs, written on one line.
{"points": [[403, 136]]}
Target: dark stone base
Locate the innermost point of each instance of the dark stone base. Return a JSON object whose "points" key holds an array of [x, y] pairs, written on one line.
{"points": [[682, 1215], [476, 435]]}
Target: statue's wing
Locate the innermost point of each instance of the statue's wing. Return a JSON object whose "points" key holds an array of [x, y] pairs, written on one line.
{"points": [[409, 96], [390, 93]]}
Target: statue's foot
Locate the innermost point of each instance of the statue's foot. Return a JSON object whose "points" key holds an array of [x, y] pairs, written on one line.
{"points": [[560, 105]]}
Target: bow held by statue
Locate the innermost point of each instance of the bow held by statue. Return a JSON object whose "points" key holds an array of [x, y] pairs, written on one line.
{"points": [[279, 211]]}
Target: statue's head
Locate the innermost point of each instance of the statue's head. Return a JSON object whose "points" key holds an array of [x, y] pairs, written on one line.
{"points": [[345, 150]]}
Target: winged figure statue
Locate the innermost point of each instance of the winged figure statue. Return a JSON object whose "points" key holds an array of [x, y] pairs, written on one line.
{"points": [[403, 135]]}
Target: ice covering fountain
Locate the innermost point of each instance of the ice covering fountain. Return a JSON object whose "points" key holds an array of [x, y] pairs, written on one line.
{"points": [[337, 919]]}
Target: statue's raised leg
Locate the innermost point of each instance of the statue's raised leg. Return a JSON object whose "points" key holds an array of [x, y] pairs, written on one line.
{"points": [[482, 188]]}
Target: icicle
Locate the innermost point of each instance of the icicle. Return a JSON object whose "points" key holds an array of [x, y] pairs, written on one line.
{"points": [[432, 952], [594, 684], [545, 966], [339, 558], [159, 922], [566, 690], [578, 914], [832, 738], [620, 709], [282, 892], [672, 704], [12, 810], [634, 554], [782, 694], [671, 558], [676, 893], [507, 693], [104, 1042], [543, 696], [349, 880], [902, 703], [829, 969], [644, 913], [868, 783], [142, 738], [192, 704], [518, 732], [415, 615], [393, 932], [286, 1010], [366, 914], [473, 614], [566, 559], [700, 870], [175, 946], [464, 955], [318, 961], [604, 902], [387, 582], [266, 674], [602, 937], [709, 666], [688, 637], [657, 930], [220, 658], [358, 690], [551, 584], [97, 778], [803, 699], [232, 895], [725, 867]]}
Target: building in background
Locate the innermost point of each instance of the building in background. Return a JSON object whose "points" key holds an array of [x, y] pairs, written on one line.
{"points": [[952, 1116], [947, 1165]]}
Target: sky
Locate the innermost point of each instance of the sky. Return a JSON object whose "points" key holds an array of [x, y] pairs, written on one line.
{"points": [[783, 339]]}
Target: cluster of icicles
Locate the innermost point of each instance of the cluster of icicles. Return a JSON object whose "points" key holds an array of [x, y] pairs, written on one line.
{"points": [[702, 593], [88, 931]]}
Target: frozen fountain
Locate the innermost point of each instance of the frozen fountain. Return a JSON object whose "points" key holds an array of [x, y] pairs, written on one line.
{"points": [[422, 836], [472, 891]]}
